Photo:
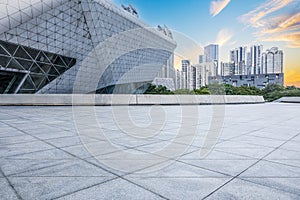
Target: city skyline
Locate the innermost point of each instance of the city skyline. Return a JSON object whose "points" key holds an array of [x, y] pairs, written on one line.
{"points": [[231, 24]]}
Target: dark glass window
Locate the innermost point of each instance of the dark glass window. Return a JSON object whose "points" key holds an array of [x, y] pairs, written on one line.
{"points": [[43, 67], [10, 81]]}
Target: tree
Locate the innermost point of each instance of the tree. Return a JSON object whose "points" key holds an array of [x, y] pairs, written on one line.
{"points": [[230, 89], [183, 91], [272, 87], [153, 89], [216, 89], [202, 91]]}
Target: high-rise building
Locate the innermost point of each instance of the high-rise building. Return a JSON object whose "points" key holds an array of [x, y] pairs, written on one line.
{"points": [[238, 57], [78, 46], [185, 64], [259, 70], [178, 80], [272, 61], [211, 52], [202, 59], [227, 69], [256, 52], [248, 63]]}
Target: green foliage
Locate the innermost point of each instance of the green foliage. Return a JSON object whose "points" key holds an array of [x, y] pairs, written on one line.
{"points": [[153, 89], [245, 90], [277, 94], [272, 88], [271, 92], [216, 89], [183, 91], [202, 91], [230, 89]]}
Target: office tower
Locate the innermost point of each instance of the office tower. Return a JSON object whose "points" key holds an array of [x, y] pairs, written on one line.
{"points": [[178, 81], [238, 57], [272, 61], [248, 63], [202, 59], [185, 64], [256, 52], [200, 75], [211, 52], [227, 69]]}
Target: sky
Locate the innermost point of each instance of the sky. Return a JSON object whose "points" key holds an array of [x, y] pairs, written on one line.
{"points": [[229, 23]]}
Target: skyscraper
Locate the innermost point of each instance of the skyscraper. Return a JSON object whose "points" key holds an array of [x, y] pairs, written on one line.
{"points": [[248, 63], [272, 61], [256, 52], [202, 59], [185, 64], [211, 52], [238, 57], [227, 69]]}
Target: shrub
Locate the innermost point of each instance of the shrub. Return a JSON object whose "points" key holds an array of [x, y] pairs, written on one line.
{"points": [[153, 89]]}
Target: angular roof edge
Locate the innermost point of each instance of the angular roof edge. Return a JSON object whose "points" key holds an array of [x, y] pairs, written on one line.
{"points": [[15, 12]]}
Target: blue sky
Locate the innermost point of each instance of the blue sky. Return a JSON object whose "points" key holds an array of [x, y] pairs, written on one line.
{"points": [[231, 23]]}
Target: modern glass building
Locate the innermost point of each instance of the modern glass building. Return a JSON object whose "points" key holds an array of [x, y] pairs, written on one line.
{"points": [[78, 46]]}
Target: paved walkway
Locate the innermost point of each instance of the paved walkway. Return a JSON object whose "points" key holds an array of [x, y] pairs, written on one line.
{"points": [[140, 152]]}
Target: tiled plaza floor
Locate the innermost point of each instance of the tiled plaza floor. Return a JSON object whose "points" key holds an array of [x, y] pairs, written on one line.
{"points": [[144, 152]]}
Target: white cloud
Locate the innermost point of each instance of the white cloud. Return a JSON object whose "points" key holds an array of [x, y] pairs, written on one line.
{"points": [[254, 17], [276, 20], [217, 6], [224, 36]]}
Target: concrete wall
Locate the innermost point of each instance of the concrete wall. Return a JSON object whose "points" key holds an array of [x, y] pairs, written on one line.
{"points": [[103, 100], [289, 100]]}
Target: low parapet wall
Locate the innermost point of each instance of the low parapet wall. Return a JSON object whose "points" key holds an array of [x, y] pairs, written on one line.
{"points": [[289, 100], [106, 100]]}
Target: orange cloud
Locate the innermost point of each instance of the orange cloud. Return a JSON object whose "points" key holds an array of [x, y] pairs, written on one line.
{"points": [[280, 27], [253, 18], [280, 24], [224, 36], [217, 6], [293, 39]]}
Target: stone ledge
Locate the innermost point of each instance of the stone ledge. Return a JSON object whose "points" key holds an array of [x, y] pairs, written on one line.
{"points": [[289, 100], [119, 99]]}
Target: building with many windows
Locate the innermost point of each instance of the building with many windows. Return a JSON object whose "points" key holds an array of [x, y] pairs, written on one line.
{"points": [[272, 61], [211, 52], [256, 53], [238, 58], [78, 46]]}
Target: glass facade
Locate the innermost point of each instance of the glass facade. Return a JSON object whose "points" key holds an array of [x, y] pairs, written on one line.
{"points": [[30, 69], [44, 44]]}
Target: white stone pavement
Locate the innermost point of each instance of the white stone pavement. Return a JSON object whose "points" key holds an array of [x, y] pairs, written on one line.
{"points": [[59, 152]]}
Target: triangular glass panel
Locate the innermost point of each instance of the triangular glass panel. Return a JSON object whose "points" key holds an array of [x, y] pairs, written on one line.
{"points": [[3, 52], [51, 78], [37, 79], [67, 60], [45, 67], [4, 60], [10, 47], [26, 64], [53, 71], [50, 56], [42, 83], [32, 52], [36, 69], [20, 53], [42, 58], [28, 84], [60, 69], [13, 64], [59, 61]]}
